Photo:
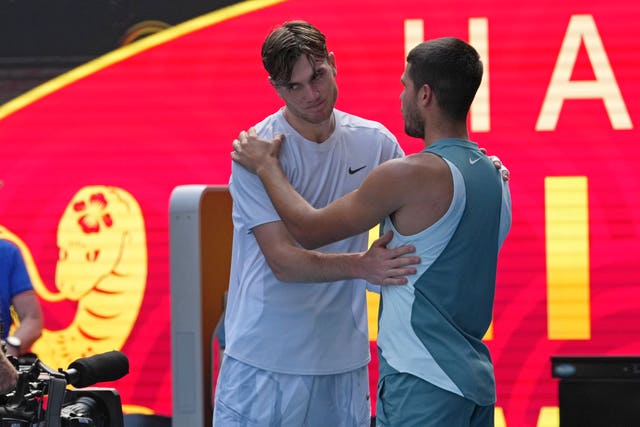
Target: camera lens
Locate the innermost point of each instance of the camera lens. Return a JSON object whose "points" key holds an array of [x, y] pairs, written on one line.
{"points": [[84, 410]]}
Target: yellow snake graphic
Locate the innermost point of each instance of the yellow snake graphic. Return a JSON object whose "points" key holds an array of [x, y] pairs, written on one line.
{"points": [[102, 264]]}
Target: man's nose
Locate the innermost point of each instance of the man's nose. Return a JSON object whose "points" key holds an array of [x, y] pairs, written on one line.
{"points": [[311, 91]]}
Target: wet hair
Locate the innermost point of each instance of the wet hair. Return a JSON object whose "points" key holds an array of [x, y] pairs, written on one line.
{"points": [[288, 42], [453, 71]]}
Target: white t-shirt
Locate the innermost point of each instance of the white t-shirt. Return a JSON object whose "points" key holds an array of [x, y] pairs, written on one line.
{"points": [[301, 328]]}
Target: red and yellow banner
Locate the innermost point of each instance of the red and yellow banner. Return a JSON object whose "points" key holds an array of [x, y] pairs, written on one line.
{"points": [[88, 162]]}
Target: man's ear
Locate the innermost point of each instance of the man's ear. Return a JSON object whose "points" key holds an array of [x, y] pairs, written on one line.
{"points": [[425, 95], [331, 59]]}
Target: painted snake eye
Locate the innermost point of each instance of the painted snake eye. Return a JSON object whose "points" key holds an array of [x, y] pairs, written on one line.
{"points": [[92, 256]]}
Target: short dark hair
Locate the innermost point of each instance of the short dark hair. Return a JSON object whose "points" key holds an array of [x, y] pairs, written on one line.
{"points": [[286, 43], [453, 71]]}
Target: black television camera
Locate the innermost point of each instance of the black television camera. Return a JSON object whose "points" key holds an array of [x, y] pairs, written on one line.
{"points": [[41, 397]]}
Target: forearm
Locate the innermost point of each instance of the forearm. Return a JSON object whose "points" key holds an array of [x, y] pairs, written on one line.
{"points": [[31, 321], [29, 331], [306, 266], [291, 263]]}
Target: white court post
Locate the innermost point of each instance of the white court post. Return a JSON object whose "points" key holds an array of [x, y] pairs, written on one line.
{"points": [[200, 236]]}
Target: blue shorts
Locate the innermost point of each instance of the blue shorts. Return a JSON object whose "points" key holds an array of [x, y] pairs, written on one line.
{"points": [[405, 400], [247, 396]]}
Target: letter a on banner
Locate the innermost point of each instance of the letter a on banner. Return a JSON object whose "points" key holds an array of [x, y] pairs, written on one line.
{"points": [[582, 28]]}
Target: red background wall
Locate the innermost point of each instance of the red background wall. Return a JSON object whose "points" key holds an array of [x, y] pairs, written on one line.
{"points": [[163, 112]]}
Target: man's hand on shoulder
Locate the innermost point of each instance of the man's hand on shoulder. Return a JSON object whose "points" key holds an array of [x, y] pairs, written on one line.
{"points": [[498, 164], [384, 266], [254, 152]]}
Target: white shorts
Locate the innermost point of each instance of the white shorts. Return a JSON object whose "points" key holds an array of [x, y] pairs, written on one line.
{"points": [[248, 396]]}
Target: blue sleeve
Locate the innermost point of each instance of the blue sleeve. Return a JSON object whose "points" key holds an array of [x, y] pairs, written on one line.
{"points": [[19, 280], [14, 280]]}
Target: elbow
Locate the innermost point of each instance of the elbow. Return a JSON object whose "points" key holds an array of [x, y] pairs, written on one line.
{"points": [[282, 271], [284, 275], [306, 237], [309, 244]]}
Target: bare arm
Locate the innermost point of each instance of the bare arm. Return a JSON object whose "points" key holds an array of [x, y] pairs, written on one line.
{"points": [[352, 214], [416, 189], [291, 263], [29, 312]]}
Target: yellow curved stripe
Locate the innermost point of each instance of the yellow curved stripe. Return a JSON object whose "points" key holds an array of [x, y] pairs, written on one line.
{"points": [[128, 51]]}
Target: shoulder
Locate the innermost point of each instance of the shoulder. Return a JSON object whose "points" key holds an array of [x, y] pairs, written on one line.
{"points": [[351, 121], [369, 135], [419, 167], [427, 161], [270, 122], [8, 248]]}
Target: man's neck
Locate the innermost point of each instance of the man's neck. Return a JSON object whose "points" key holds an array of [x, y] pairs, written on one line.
{"points": [[450, 130], [316, 132]]}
